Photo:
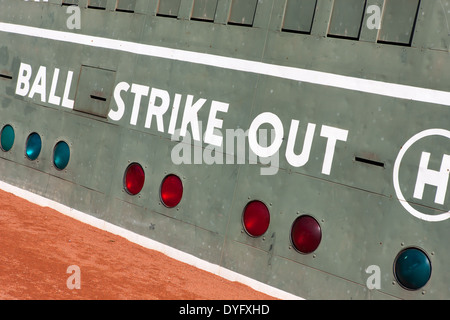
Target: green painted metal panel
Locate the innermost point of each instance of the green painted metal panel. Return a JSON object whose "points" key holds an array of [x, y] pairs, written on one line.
{"points": [[398, 22], [204, 10], [70, 2], [299, 15], [98, 4], [363, 222], [432, 28], [346, 18], [126, 5], [94, 91], [243, 12], [169, 8]]}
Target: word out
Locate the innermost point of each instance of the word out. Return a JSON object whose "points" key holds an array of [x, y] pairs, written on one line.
{"points": [[332, 134]]}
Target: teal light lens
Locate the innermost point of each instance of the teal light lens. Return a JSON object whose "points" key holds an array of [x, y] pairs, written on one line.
{"points": [[7, 137], [33, 146], [412, 268], [61, 155]]}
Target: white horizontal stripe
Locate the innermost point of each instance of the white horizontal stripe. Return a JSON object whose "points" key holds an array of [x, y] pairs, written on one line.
{"points": [[297, 74], [148, 243]]}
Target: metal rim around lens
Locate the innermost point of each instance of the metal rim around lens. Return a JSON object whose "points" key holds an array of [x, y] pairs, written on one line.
{"points": [[414, 274]]}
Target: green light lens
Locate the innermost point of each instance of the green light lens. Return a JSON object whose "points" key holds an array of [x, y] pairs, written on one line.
{"points": [[7, 137], [33, 147], [61, 155], [412, 268]]}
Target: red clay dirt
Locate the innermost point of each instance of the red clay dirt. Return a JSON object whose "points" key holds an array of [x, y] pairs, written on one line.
{"points": [[38, 244]]}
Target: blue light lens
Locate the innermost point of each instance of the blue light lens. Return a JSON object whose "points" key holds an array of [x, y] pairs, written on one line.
{"points": [[61, 155], [7, 137], [412, 268], [34, 145]]}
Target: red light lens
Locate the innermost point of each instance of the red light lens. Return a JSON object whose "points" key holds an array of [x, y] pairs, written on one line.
{"points": [[171, 191], [306, 234], [256, 218], [134, 178]]}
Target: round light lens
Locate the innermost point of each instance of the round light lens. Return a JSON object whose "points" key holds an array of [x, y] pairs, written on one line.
{"points": [[61, 155], [256, 218], [33, 146], [134, 178], [7, 137], [171, 191], [306, 234], [412, 268]]}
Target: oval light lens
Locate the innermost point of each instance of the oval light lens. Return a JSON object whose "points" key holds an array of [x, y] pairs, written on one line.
{"points": [[306, 234], [171, 191], [412, 268], [7, 137], [33, 146], [256, 218], [61, 155], [134, 178]]}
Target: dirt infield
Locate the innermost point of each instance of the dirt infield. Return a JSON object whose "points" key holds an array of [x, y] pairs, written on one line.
{"points": [[38, 245]]}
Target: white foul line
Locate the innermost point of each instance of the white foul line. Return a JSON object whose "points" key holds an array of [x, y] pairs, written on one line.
{"points": [[315, 77]]}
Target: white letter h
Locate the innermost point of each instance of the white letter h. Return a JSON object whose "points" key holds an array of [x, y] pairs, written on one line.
{"points": [[438, 179]]}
